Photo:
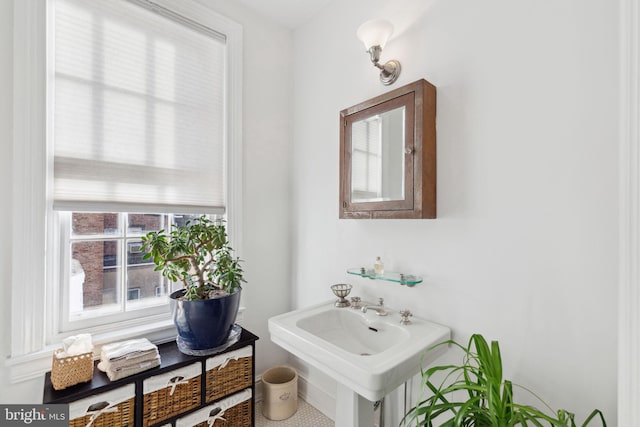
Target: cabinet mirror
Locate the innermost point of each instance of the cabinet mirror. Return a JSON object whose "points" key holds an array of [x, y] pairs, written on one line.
{"points": [[387, 155]]}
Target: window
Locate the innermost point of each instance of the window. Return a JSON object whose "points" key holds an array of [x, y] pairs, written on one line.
{"points": [[137, 131], [102, 260], [133, 293], [36, 228]]}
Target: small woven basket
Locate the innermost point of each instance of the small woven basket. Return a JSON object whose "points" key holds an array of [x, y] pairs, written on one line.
{"points": [[68, 371]]}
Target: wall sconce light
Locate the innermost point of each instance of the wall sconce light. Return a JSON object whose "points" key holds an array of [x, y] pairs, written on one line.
{"points": [[374, 34]]}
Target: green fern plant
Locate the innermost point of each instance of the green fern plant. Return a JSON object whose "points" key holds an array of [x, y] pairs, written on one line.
{"points": [[488, 398], [198, 255]]}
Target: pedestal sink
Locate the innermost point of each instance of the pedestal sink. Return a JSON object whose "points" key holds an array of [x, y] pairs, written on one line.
{"points": [[368, 355]]}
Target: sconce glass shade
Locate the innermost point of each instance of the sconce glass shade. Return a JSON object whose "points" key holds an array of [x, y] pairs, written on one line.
{"points": [[375, 33]]}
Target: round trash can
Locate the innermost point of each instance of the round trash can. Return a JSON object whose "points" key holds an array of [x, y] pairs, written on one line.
{"points": [[280, 393]]}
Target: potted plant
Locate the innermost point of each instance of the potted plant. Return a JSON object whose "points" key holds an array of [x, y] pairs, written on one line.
{"points": [[198, 255], [475, 394]]}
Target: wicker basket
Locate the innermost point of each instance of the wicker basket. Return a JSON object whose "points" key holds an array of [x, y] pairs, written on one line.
{"points": [[236, 416], [228, 373], [114, 408], [233, 411], [122, 416], [68, 371], [179, 392]]}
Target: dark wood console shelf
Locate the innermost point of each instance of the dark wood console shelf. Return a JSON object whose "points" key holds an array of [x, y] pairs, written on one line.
{"points": [[209, 386]]}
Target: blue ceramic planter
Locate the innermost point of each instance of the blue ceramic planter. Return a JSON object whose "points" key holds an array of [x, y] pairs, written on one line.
{"points": [[204, 324]]}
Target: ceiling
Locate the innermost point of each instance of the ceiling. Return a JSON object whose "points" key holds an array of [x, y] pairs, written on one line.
{"points": [[290, 13]]}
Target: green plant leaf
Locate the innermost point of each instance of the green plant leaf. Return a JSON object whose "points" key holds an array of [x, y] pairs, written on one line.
{"points": [[197, 254], [490, 398]]}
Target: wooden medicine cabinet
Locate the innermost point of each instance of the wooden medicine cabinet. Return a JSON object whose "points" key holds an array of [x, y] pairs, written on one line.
{"points": [[388, 155]]}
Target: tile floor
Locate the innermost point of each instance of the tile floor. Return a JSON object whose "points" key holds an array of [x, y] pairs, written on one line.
{"points": [[305, 416]]}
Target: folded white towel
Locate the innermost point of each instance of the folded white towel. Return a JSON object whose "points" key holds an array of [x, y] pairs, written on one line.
{"points": [[114, 365], [133, 369], [126, 349]]}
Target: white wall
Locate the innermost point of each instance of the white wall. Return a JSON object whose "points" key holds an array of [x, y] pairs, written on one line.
{"points": [[266, 176], [524, 249]]}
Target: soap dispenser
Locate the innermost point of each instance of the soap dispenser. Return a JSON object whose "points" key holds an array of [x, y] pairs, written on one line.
{"points": [[378, 267]]}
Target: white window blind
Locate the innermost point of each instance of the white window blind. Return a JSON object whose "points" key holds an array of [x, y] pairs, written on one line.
{"points": [[139, 110]]}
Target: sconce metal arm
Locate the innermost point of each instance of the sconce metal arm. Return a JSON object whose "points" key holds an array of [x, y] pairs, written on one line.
{"points": [[390, 71]]}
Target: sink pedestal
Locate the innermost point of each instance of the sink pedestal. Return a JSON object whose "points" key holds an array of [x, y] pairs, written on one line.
{"points": [[367, 355], [352, 410]]}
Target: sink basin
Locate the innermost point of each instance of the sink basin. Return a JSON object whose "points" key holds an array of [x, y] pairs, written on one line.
{"points": [[369, 354], [352, 331]]}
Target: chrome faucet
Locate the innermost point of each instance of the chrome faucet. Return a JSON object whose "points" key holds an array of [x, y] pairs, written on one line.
{"points": [[379, 309]]}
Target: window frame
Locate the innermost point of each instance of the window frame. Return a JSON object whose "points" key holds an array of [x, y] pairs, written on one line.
{"points": [[124, 239], [32, 331]]}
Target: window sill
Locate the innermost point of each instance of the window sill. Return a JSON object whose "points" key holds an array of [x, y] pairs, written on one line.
{"points": [[34, 365]]}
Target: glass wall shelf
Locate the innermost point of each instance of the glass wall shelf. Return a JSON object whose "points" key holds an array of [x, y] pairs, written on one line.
{"points": [[390, 276]]}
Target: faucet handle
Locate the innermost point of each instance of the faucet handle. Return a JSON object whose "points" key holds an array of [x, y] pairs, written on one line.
{"points": [[404, 317], [355, 302], [381, 302]]}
